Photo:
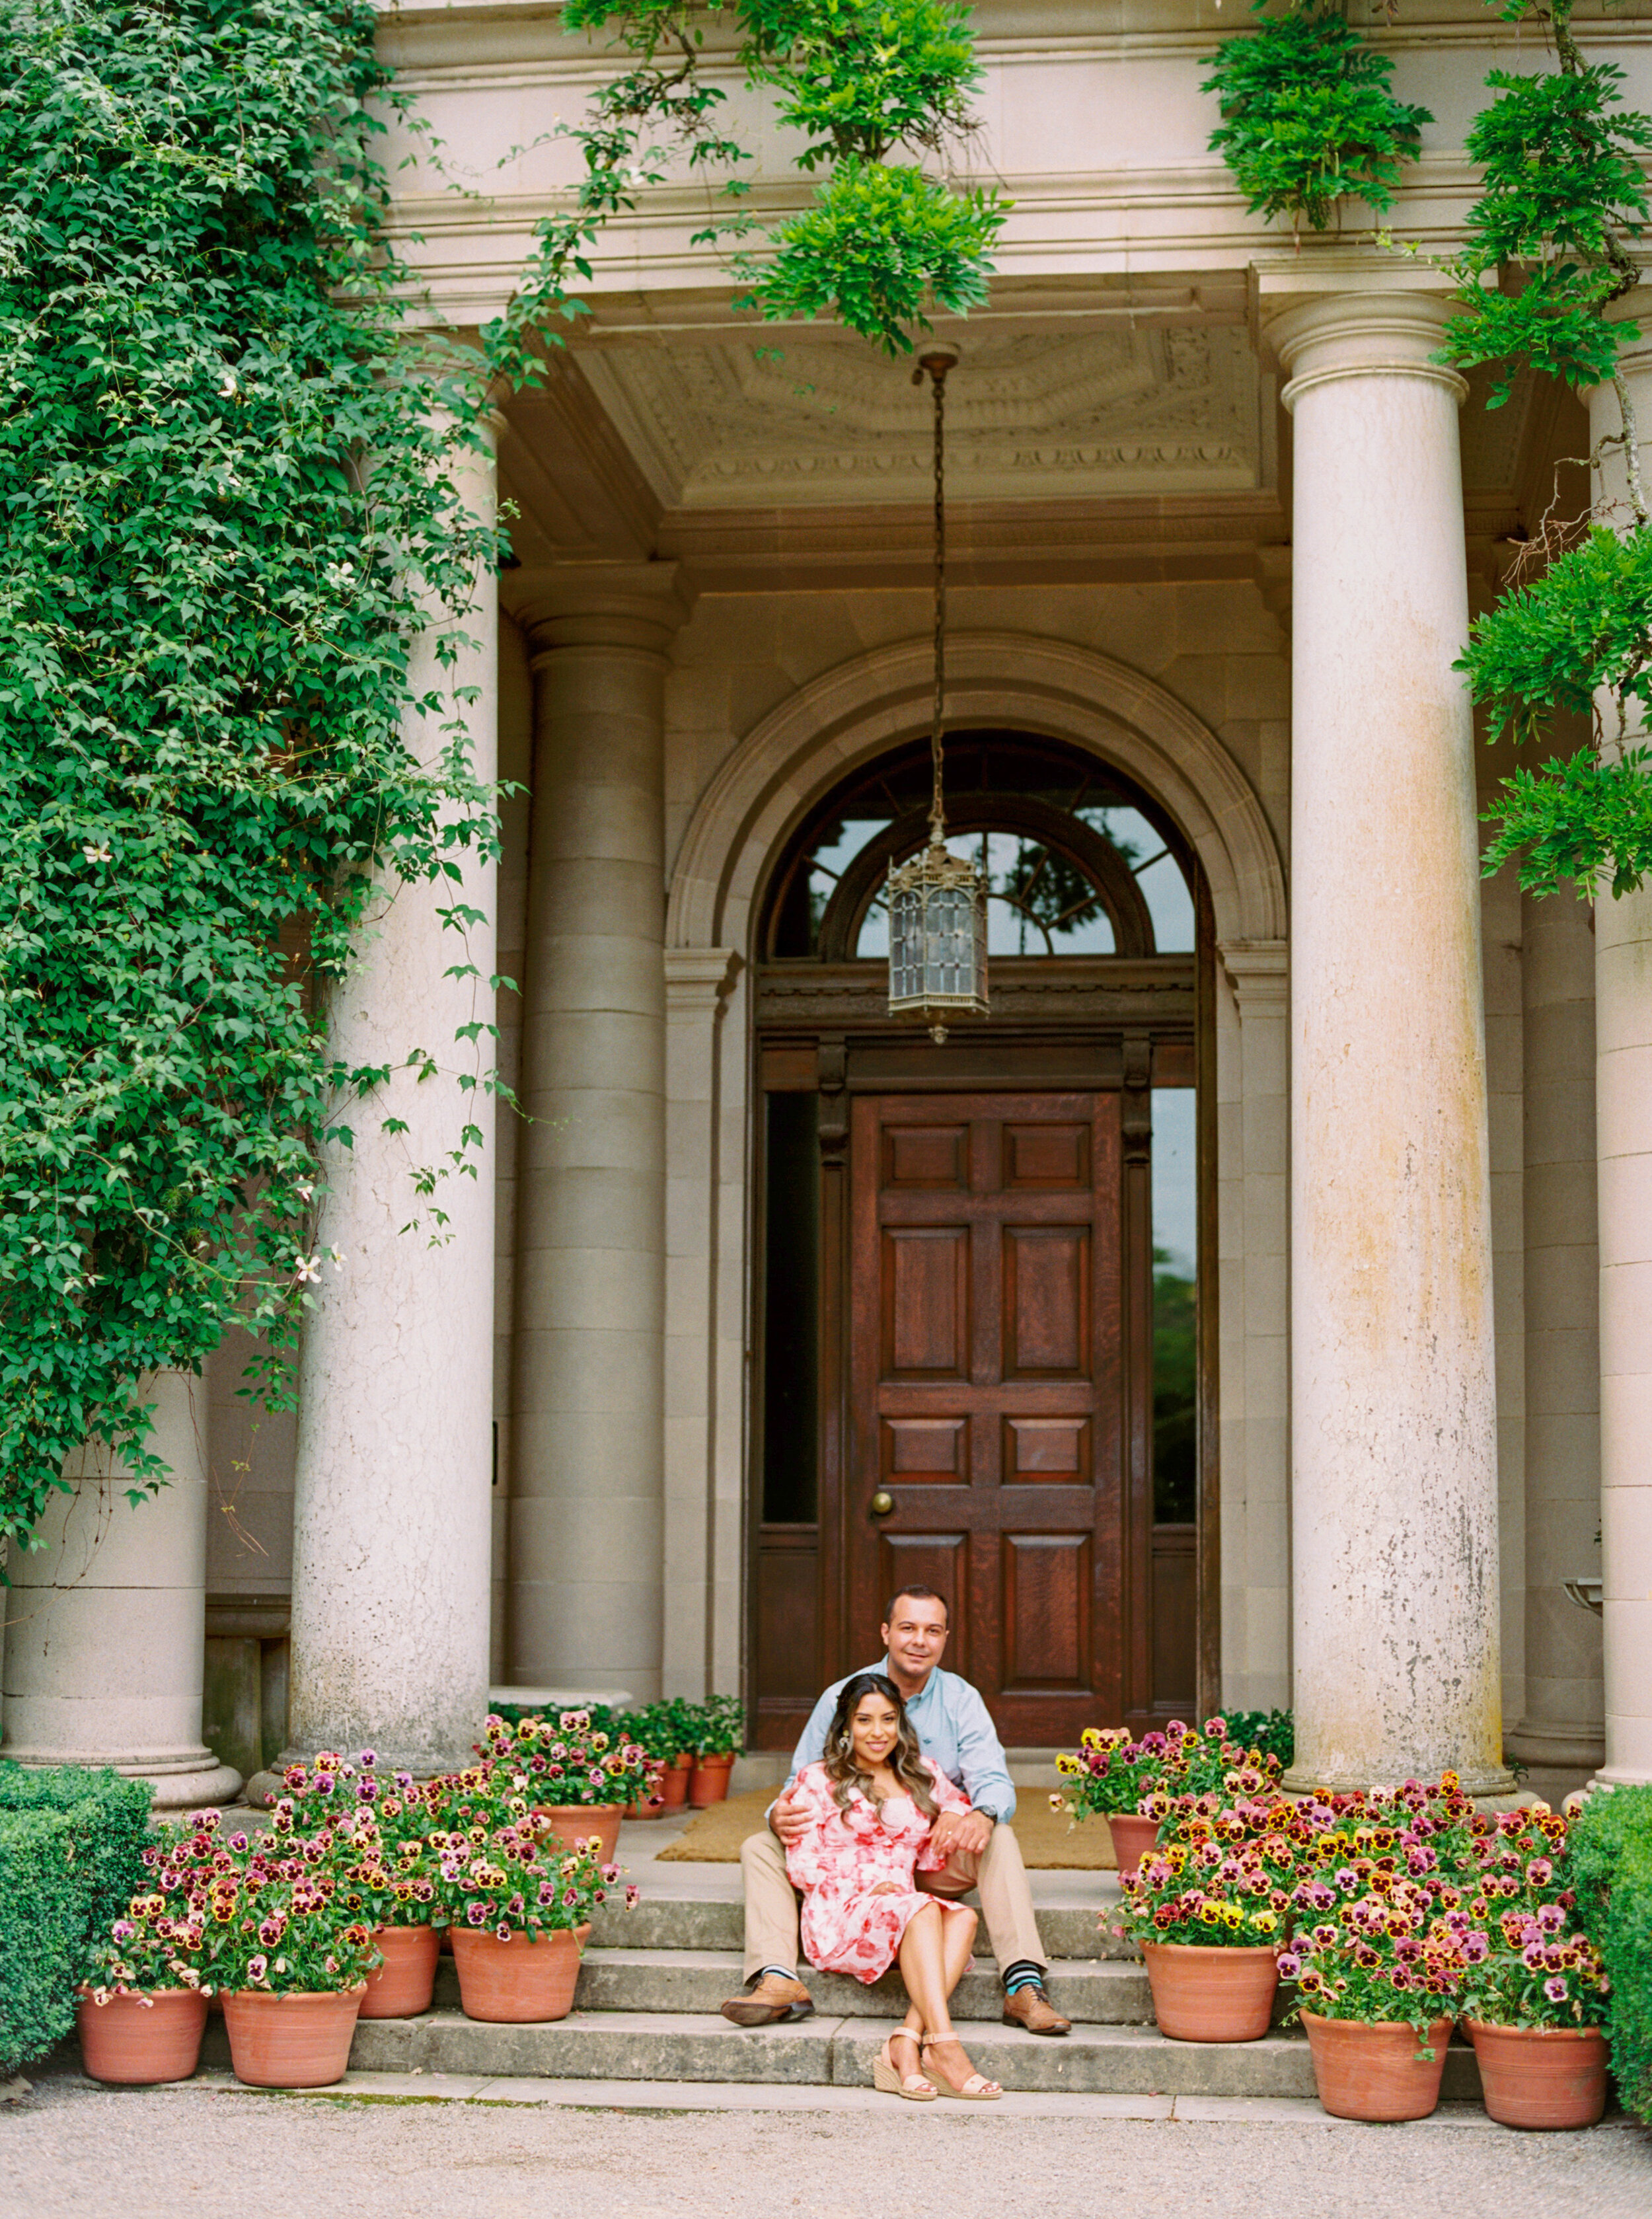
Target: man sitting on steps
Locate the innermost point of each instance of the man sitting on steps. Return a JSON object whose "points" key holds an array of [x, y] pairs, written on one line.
{"points": [[957, 1735]]}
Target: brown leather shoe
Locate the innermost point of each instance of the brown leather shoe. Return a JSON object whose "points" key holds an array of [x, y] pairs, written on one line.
{"points": [[772, 1999], [1031, 2008]]}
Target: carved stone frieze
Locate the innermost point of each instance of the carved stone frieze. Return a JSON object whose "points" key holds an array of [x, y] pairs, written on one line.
{"points": [[1106, 993]]}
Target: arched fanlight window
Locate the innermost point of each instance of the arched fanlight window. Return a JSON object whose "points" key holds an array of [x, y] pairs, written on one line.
{"points": [[1076, 863]]}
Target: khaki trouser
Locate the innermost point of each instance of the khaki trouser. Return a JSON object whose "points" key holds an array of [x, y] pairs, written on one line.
{"points": [[771, 1902]]}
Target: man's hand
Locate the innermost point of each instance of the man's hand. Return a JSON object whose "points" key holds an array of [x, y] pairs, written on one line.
{"points": [[789, 1820], [969, 1831]]}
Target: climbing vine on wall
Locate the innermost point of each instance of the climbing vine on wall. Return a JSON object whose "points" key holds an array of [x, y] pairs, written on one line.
{"points": [[226, 510], [882, 241], [206, 601], [1564, 189], [1307, 116]]}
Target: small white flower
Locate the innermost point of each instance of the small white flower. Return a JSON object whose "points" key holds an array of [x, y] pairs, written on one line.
{"points": [[228, 385], [309, 1269], [338, 1256], [305, 1190], [340, 577], [97, 851]]}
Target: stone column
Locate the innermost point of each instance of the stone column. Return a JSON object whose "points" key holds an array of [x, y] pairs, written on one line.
{"points": [[1394, 1415], [587, 1468], [1623, 1010], [696, 985], [391, 1502], [1253, 1149], [106, 1624], [1561, 1730]]}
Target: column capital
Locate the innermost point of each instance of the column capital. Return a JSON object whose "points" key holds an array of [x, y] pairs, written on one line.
{"points": [[1259, 970], [639, 606], [1341, 335], [697, 979]]}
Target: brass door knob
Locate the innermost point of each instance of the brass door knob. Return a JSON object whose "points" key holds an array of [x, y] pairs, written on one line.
{"points": [[882, 1503]]}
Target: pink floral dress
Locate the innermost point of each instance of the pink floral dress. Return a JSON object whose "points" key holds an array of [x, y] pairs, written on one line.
{"points": [[845, 1854]]}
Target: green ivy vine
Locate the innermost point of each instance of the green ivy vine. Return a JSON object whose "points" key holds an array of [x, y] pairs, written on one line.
{"points": [[1308, 118], [881, 243], [227, 504], [1564, 188], [207, 591]]}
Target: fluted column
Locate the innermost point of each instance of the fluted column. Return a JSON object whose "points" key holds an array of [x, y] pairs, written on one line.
{"points": [[1561, 1728], [391, 1502], [588, 1478], [106, 1622], [1623, 989], [1394, 1586]]}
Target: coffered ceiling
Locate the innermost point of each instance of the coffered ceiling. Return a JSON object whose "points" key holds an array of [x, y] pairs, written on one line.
{"points": [[821, 420]]}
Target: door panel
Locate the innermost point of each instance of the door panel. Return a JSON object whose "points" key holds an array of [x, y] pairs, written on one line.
{"points": [[987, 1391], [926, 1301], [1046, 1273], [1047, 1588]]}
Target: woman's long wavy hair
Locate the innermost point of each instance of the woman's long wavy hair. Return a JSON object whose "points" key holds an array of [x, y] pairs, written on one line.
{"points": [[905, 1759]]}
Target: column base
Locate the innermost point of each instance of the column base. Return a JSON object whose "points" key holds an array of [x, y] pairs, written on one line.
{"points": [[1618, 1776], [190, 1782], [1483, 1782], [1559, 1747]]}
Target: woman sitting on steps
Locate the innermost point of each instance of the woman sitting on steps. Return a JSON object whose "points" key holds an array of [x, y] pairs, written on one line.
{"points": [[872, 1800]]}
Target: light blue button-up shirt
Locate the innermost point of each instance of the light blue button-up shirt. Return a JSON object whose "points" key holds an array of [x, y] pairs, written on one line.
{"points": [[954, 1729]]}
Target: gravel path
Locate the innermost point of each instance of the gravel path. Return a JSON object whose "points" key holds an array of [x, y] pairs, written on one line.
{"points": [[71, 2151]]}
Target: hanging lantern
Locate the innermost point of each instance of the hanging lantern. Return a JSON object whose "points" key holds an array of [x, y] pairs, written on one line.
{"points": [[937, 901]]}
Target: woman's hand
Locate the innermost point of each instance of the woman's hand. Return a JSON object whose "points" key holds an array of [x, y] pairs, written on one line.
{"points": [[888, 1888], [968, 1830]]}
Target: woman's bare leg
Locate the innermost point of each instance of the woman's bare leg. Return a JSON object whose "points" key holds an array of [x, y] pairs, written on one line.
{"points": [[923, 1968], [957, 1937], [958, 1928]]}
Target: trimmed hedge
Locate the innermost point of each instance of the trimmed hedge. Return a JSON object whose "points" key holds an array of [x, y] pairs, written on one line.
{"points": [[1609, 1849], [70, 1860]]}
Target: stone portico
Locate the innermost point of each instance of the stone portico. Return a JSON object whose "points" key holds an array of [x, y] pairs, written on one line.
{"points": [[1219, 524]]}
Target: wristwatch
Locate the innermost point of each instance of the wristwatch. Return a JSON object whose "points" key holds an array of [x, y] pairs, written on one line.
{"points": [[984, 1810]]}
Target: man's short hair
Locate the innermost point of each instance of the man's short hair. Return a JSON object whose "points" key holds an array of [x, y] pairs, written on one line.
{"points": [[916, 1594]]}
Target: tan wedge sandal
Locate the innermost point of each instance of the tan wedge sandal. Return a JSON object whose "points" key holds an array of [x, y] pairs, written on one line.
{"points": [[887, 2076], [977, 2089]]}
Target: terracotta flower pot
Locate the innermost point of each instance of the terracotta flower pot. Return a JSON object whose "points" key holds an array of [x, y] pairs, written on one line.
{"points": [[1209, 1994], [517, 1981], [577, 1821], [708, 1782], [291, 2042], [133, 2042], [1541, 2076], [1132, 1837], [1376, 2072], [401, 1987], [673, 1782]]}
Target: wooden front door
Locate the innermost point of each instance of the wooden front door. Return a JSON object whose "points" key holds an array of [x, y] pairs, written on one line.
{"points": [[988, 1322]]}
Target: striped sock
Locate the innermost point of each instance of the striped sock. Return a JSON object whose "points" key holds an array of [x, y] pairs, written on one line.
{"points": [[1023, 1974]]}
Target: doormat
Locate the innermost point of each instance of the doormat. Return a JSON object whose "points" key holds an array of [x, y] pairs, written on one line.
{"points": [[1049, 1842]]}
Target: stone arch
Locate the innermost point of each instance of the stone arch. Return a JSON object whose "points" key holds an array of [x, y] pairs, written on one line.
{"points": [[828, 728]]}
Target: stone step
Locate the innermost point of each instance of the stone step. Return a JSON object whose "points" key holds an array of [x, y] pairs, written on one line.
{"points": [[1093, 1993], [661, 1921], [666, 2047]]}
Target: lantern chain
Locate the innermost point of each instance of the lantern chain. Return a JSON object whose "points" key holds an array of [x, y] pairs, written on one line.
{"points": [[937, 366]]}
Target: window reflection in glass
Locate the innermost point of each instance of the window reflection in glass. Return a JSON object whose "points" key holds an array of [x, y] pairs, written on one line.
{"points": [[1042, 902]]}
